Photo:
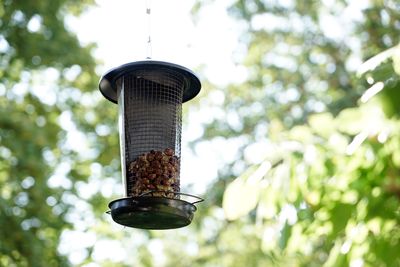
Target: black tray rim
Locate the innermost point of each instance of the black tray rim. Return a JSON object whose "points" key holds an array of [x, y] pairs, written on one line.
{"points": [[181, 208]]}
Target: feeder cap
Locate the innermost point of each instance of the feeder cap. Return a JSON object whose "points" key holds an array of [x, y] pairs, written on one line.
{"points": [[156, 213], [108, 86]]}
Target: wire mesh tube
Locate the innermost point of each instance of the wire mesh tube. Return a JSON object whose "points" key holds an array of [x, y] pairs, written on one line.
{"points": [[150, 121], [150, 95]]}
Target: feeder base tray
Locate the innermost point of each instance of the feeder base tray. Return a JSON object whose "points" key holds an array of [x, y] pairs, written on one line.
{"points": [[148, 212]]}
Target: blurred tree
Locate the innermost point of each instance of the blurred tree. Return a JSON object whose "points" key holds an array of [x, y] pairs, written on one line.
{"points": [[46, 82], [327, 193], [333, 199], [301, 58]]}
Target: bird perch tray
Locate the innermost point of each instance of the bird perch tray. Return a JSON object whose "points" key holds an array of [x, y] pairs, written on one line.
{"points": [[149, 212]]}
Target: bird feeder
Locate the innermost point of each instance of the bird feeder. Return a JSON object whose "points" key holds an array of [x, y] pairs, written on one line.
{"points": [[149, 95]]}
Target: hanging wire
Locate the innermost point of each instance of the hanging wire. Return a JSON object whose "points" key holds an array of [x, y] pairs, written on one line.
{"points": [[148, 12]]}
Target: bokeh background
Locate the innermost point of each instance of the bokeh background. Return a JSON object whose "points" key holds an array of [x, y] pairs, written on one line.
{"points": [[294, 140]]}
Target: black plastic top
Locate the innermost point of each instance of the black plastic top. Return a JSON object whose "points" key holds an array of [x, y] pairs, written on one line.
{"points": [[109, 88]]}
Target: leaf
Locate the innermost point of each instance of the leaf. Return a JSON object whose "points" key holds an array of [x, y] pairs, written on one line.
{"points": [[396, 158], [322, 123], [372, 91], [301, 133], [372, 63], [383, 72], [242, 195], [285, 235], [340, 214], [396, 61], [336, 258], [351, 121]]}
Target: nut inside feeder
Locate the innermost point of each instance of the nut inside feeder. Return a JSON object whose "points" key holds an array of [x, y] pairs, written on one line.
{"points": [[150, 96]]}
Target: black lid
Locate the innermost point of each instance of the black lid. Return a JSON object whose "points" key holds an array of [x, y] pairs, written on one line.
{"points": [[109, 89]]}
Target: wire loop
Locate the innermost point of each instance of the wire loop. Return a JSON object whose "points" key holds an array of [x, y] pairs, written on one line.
{"points": [[149, 44]]}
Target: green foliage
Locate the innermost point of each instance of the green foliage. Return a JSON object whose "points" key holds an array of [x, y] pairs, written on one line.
{"points": [[333, 199], [44, 74], [327, 193], [339, 200]]}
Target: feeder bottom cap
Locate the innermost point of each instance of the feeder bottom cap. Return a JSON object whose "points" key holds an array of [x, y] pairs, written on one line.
{"points": [[152, 212]]}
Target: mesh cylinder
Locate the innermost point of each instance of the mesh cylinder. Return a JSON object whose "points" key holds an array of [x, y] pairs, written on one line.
{"points": [[150, 121]]}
